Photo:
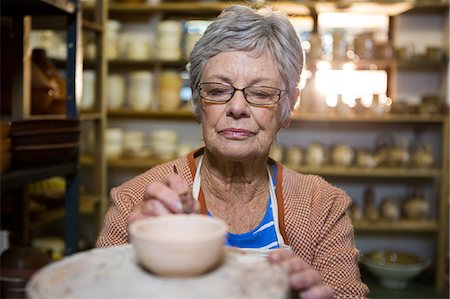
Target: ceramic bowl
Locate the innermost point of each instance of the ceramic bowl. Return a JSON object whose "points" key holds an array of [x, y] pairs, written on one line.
{"points": [[394, 268], [178, 245]]}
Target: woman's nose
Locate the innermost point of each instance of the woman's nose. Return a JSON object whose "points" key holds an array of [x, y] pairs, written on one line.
{"points": [[237, 106]]}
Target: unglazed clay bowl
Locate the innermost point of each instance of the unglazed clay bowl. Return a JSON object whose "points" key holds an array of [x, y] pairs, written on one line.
{"points": [[178, 245]]}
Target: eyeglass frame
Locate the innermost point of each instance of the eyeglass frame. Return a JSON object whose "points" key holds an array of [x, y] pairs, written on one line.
{"points": [[280, 93]]}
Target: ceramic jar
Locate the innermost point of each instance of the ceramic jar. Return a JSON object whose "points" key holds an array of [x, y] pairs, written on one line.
{"points": [[390, 209], [140, 90], [138, 49], [191, 40], [365, 158], [168, 44], [430, 105], [164, 143], [294, 155], [342, 155], [423, 156], [276, 152], [134, 143], [114, 143], [356, 213], [316, 154], [88, 97], [416, 207], [18, 265], [116, 91], [112, 36], [170, 84], [398, 156]]}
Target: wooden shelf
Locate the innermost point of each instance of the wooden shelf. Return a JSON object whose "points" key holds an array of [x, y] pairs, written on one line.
{"points": [[21, 177], [388, 118], [117, 65], [89, 115], [182, 114], [323, 171], [36, 7], [92, 26], [196, 8], [403, 226], [303, 8], [422, 65], [86, 205], [370, 172]]}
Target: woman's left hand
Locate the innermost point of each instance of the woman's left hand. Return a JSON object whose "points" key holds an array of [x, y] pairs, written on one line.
{"points": [[302, 277]]}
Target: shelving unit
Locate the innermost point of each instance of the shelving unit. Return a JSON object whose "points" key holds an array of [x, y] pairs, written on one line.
{"points": [[96, 17], [22, 13], [436, 178]]}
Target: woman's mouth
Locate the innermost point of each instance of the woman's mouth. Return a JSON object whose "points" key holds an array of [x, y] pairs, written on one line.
{"points": [[233, 133]]}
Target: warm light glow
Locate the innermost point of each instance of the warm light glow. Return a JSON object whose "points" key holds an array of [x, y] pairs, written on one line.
{"points": [[353, 20], [323, 65], [302, 24], [391, 8], [348, 66], [351, 84]]}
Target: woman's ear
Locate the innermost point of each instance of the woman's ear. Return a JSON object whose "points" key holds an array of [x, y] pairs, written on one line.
{"points": [[285, 124]]}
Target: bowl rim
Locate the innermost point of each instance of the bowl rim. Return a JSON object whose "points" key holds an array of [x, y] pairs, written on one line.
{"points": [[395, 267], [222, 228]]}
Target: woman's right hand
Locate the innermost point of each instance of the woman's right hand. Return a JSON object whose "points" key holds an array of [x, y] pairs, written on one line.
{"points": [[173, 196]]}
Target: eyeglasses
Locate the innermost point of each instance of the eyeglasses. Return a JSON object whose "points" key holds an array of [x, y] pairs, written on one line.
{"points": [[254, 95]]}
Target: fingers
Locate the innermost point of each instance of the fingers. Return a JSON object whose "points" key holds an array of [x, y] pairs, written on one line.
{"points": [[164, 194], [174, 194], [305, 279], [302, 277], [317, 292], [147, 208]]}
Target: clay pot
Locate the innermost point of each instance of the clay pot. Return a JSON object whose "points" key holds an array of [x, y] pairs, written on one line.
{"points": [[398, 156], [18, 264], [366, 159], [416, 207], [316, 154], [390, 210], [342, 155], [48, 86], [423, 156], [294, 155]]}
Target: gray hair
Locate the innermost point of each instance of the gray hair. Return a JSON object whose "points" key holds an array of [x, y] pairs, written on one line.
{"points": [[241, 28]]}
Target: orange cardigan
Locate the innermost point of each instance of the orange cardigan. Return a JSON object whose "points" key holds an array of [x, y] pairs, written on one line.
{"points": [[311, 213]]}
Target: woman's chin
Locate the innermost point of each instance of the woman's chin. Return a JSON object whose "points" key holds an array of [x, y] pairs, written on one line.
{"points": [[237, 153]]}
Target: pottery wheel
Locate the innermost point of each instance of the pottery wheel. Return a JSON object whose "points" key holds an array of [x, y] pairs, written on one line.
{"points": [[114, 273]]}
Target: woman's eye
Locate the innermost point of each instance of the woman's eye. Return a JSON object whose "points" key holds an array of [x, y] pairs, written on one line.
{"points": [[260, 94], [218, 91]]}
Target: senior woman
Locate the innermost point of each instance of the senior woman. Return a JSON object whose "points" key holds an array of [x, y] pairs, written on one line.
{"points": [[245, 74]]}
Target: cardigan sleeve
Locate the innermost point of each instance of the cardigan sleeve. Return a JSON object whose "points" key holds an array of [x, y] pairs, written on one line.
{"points": [[335, 254], [114, 230], [321, 233]]}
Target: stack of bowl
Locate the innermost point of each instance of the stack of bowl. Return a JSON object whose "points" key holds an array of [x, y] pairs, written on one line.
{"points": [[5, 147], [42, 142], [164, 143], [170, 84]]}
